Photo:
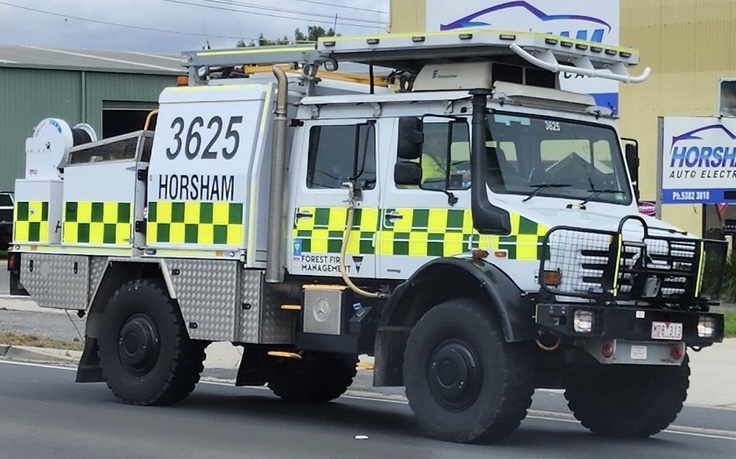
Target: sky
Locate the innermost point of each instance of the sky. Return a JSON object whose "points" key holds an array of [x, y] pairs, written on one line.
{"points": [[172, 26]]}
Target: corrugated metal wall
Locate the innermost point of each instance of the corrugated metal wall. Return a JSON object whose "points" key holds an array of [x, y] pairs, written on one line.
{"points": [[113, 87], [29, 95], [689, 45], [26, 97]]}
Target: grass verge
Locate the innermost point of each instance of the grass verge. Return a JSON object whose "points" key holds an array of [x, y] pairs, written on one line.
{"points": [[20, 339], [3, 254], [730, 324]]}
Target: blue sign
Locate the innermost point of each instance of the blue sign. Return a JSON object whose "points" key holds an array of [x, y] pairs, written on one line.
{"points": [[592, 20], [699, 161]]}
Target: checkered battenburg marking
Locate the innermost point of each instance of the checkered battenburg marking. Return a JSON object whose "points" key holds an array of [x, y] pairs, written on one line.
{"points": [[204, 223], [419, 232], [31, 221], [323, 232], [97, 223]]}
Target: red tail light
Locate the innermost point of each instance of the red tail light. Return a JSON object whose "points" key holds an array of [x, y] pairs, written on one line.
{"points": [[607, 350], [13, 261], [677, 352]]}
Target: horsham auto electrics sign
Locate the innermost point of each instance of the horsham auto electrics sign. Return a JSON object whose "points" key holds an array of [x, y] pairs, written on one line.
{"points": [[698, 160]]}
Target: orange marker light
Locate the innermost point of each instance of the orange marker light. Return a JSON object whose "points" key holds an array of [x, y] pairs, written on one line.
{"points": [[551, 278]]}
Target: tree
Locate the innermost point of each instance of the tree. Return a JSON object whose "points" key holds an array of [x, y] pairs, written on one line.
{"points": [[312, 35], [263, 41]]}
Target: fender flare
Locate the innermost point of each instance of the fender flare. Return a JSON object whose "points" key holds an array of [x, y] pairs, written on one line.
{"points": [[514, 308]]}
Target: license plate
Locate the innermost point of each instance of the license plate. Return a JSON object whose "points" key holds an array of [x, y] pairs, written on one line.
{"points": [[667, 330]]}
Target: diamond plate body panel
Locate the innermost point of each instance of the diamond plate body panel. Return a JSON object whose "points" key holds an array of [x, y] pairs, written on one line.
{"points": [[97, 266], [261, 319], [56, 281], [207, 292]]}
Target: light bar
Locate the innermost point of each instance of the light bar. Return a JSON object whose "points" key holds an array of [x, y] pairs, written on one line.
{"points": [[413, 51]]}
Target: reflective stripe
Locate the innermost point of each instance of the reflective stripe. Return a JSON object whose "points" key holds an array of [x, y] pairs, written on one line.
{"points": [[323, 231], [87, 222], [418, 233], [31, 221], [191, 222]]}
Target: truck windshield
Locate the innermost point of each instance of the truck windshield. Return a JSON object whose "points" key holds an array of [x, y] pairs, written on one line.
{"points": [[538, 156]]}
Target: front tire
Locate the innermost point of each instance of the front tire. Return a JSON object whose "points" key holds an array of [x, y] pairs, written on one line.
{"points": [[628, 401], [146, 355], [464, 382]]}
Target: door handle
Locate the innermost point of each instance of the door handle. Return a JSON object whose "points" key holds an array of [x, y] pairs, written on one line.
{"points": [[304, 214], [393, 216]]}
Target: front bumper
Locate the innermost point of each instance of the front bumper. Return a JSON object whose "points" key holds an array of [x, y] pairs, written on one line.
{"points": [[626, 323]]}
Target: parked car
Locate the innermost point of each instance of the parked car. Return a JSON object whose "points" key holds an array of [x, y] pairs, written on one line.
{"points": [[6, 219]]}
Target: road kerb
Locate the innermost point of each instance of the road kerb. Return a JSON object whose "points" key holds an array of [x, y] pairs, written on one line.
{"points": [[39, 354]]}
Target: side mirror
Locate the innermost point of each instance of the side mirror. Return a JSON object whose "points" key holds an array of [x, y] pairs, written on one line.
{"points": [[411, 137], [632, 161], [407, 174]]}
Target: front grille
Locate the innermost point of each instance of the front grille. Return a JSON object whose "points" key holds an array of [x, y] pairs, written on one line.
{"points": [[675, 262], [584, 259], [616, 266]]}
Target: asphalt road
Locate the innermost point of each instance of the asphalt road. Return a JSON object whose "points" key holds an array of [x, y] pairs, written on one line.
{"points": [[45, 414], [4, 278]]}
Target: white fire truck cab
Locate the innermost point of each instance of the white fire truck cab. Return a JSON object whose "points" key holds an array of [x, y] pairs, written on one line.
{"points": [[452, 213]]}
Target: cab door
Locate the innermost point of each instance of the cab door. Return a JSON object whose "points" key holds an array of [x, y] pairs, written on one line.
{"points": [[329, 154], [430, 219]]}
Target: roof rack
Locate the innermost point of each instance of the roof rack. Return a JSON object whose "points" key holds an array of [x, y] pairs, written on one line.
{"points": [[411, 52]]}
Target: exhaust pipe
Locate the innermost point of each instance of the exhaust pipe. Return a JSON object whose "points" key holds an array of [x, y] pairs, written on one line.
{"points": [[274, 271]]}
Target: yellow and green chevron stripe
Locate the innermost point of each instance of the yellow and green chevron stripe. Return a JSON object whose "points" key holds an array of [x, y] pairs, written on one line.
{"points": [[323, 231], [193, 222], [31, 221], [525, 242], [418, 233], [427, 232], [448, 232], [87, 222]]}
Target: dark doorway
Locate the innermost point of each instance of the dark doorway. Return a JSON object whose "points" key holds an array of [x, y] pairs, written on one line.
{"points": [[117, 121]]}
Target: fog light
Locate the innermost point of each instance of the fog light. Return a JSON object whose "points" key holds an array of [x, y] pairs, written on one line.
{"points": [[583, 321], [706, 327]]}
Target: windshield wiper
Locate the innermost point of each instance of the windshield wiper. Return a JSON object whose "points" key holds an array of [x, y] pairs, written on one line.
{"points": [[594, 194], [543, 186]]}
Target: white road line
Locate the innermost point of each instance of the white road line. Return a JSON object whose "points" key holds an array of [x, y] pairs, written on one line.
{"points": [[533, 414]]}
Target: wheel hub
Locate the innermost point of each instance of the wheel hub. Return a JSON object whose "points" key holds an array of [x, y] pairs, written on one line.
{"points": [[138, 345], [455, 375]]}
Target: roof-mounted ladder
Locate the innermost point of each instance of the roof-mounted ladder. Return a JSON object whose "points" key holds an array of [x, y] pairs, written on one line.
{"points": [[411, 52]]}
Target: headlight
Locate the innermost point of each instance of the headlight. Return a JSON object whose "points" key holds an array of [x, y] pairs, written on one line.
{"points": [[706, 327], [582, 321]]}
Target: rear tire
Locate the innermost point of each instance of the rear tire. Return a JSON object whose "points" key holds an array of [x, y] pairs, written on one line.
{"points": [[628, 401], [464, 382], [318, 377], [145, 354]]}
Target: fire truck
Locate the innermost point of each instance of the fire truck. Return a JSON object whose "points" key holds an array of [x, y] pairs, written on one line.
{"points": [[432, 200]]}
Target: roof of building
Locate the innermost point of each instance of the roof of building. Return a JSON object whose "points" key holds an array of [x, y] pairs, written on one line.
{"points": [[17, 56]]}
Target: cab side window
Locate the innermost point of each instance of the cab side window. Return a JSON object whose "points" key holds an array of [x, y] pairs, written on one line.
{"points": [[445, 156], [340, 153]]}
